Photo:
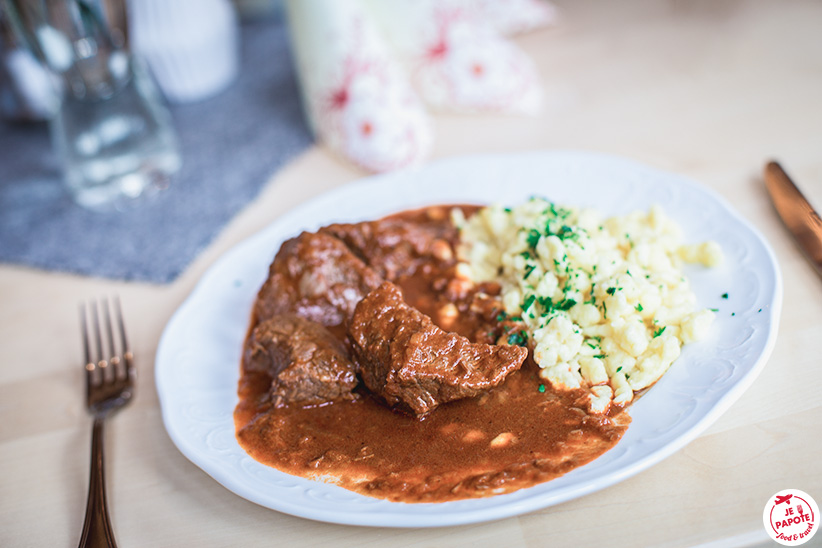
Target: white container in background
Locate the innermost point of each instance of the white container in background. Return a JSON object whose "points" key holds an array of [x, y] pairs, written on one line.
{"points": [[357, 98], [190, 46], [456, 58]]}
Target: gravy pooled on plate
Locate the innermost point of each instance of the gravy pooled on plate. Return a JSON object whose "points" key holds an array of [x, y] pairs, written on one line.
{"points": [[372, 363]]}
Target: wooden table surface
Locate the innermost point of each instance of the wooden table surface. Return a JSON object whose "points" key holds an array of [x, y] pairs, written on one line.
{"points": [[707, 89]]}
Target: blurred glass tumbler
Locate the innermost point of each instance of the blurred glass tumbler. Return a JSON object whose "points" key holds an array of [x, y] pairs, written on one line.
{"points": [[117, 149], [112, 133]]}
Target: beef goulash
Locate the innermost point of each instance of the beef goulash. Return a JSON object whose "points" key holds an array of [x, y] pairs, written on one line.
{"points": [[316, 277], [374, 363], [414, 365], [309, 365]]}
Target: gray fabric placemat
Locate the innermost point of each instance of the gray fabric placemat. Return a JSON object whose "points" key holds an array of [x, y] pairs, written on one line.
{"points": [[231, 144]]}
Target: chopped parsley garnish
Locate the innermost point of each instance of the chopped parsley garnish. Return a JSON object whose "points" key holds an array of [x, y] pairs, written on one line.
{"points": [[533, 238], [611, 290], [558, 212], [548, 304], [639, 307], [541, 388], [724, 295], [659, 332], [565, 304], [528, 269], [519, 338], [529, 300], [565, 231], [593, 299]]}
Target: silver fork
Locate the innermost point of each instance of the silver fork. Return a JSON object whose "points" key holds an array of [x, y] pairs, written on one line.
{"points": [[109, 386]]}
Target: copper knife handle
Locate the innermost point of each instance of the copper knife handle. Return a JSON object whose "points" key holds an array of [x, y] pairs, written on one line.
{"points": [[796, 213]]}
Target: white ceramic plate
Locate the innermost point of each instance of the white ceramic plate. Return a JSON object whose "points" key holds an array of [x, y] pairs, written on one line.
{"points": [[198, 359]]}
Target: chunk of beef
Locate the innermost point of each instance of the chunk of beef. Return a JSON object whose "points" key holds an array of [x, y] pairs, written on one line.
{"points": [[317, 277], [413, 364], [397, 246], [308, 365]]}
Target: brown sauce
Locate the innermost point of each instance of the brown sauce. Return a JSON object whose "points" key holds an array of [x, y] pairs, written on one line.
{"points": [[517, 435]]}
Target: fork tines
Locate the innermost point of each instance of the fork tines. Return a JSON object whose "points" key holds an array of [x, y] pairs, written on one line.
{"points": [[102, 353]]}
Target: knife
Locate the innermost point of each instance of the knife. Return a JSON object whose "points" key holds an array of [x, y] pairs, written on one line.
{"points": [[797, 214]]}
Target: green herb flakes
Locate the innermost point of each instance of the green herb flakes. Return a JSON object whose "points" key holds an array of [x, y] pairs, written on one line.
{"points": [[533, 238], [519, 338]]}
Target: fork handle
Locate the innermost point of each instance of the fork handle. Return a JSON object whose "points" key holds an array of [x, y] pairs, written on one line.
{"points": [[97, 531]]}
